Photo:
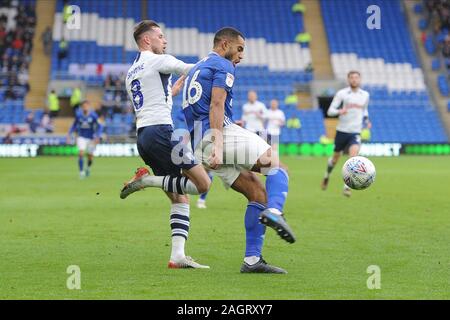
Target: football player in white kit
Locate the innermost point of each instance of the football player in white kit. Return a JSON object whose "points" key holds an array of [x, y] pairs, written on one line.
{"points": [[254, 113], [351, 105], [148, 83], [275, 120]]}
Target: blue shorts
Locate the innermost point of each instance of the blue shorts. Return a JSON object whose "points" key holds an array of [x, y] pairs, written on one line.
{"points": [[155, 148], [344, 140]]}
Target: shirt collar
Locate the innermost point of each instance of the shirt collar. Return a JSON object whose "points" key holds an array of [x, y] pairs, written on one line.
{"points": [[215, 53]]}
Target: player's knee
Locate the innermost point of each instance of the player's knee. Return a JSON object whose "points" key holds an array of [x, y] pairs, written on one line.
{"points": [[203, 186], [179, 198]]}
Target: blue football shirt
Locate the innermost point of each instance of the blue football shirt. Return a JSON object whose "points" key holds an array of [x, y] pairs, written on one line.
{"points": [[86, 126], [212, 71]]}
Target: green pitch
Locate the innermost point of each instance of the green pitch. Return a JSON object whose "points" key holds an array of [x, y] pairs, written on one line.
{"points": [[49, 220]]}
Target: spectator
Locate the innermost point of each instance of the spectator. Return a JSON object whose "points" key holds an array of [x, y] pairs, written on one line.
{"points": [[17, 44], [53, 104], [75, 100], [62, 51], [46, 38], [30, 120], [23, 77], [8, 138], [46, 124], [10, 94], [67, 11]]}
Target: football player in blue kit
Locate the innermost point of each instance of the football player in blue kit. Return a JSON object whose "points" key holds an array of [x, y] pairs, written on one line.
{"points": [[88, 130], [232, 152]]}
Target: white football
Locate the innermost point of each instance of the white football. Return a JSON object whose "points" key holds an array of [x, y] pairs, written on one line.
{"points": [[358, 173]]}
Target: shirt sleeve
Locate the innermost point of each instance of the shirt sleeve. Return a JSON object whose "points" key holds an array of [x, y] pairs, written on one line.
{"points": [[366, 107], [224, 76], [169, 64], [99, 127], [282, 117], [74, 126], [263, 110], [333, 110]]}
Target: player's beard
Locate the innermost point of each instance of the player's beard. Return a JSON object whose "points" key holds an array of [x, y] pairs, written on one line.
{"points": [[158, 50], [229, 56]]}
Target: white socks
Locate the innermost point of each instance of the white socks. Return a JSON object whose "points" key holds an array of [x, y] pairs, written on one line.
{"points": [[180, 185], [251, 260], [179, 224]]}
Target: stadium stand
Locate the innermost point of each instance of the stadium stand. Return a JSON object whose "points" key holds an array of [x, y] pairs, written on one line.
{"points": [[17, 26], [400, 105], [435, 24], [101, 51], [273, 55]]}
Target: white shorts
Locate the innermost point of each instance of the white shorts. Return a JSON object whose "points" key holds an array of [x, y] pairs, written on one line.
{"points": [[241, 150], [86, 145]]}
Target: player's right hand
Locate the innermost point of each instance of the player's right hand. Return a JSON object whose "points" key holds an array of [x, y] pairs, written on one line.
{"points": [[68, 140], [216, 157]]}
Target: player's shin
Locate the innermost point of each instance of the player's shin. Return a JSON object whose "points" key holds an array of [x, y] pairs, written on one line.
{"points": [[330, 167], [179, 224], [179, 185], [254, 233], [80, 163], [277, 188]]}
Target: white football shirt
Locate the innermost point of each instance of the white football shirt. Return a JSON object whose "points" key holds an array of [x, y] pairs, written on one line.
{"points": [[149, 86], [254, 115], [357, 103], [275, 120]]}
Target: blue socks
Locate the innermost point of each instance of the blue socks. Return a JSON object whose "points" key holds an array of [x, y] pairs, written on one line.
{"points": [[277, 188], [254, 231], [80, 163]]}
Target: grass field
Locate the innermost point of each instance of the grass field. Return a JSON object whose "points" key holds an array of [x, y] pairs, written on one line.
{"points": [[49, 219]]}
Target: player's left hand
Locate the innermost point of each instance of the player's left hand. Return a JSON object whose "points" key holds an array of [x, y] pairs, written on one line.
{"points": [[369, 125], [97, 141]]}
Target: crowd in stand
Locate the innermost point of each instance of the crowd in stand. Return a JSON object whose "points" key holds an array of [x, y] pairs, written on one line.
{"points": [[16, 42], [115, 98], [437, 17]]}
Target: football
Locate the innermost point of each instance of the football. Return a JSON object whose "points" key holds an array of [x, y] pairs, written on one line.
{"points": [[358, 173]]}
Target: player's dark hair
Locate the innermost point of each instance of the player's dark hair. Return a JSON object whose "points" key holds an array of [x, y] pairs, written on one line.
{"points": [[353, 72], [143, 26], [226, 33]]}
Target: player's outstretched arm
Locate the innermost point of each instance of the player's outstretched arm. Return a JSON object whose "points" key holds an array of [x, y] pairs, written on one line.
{"points": [[169, 64]]}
